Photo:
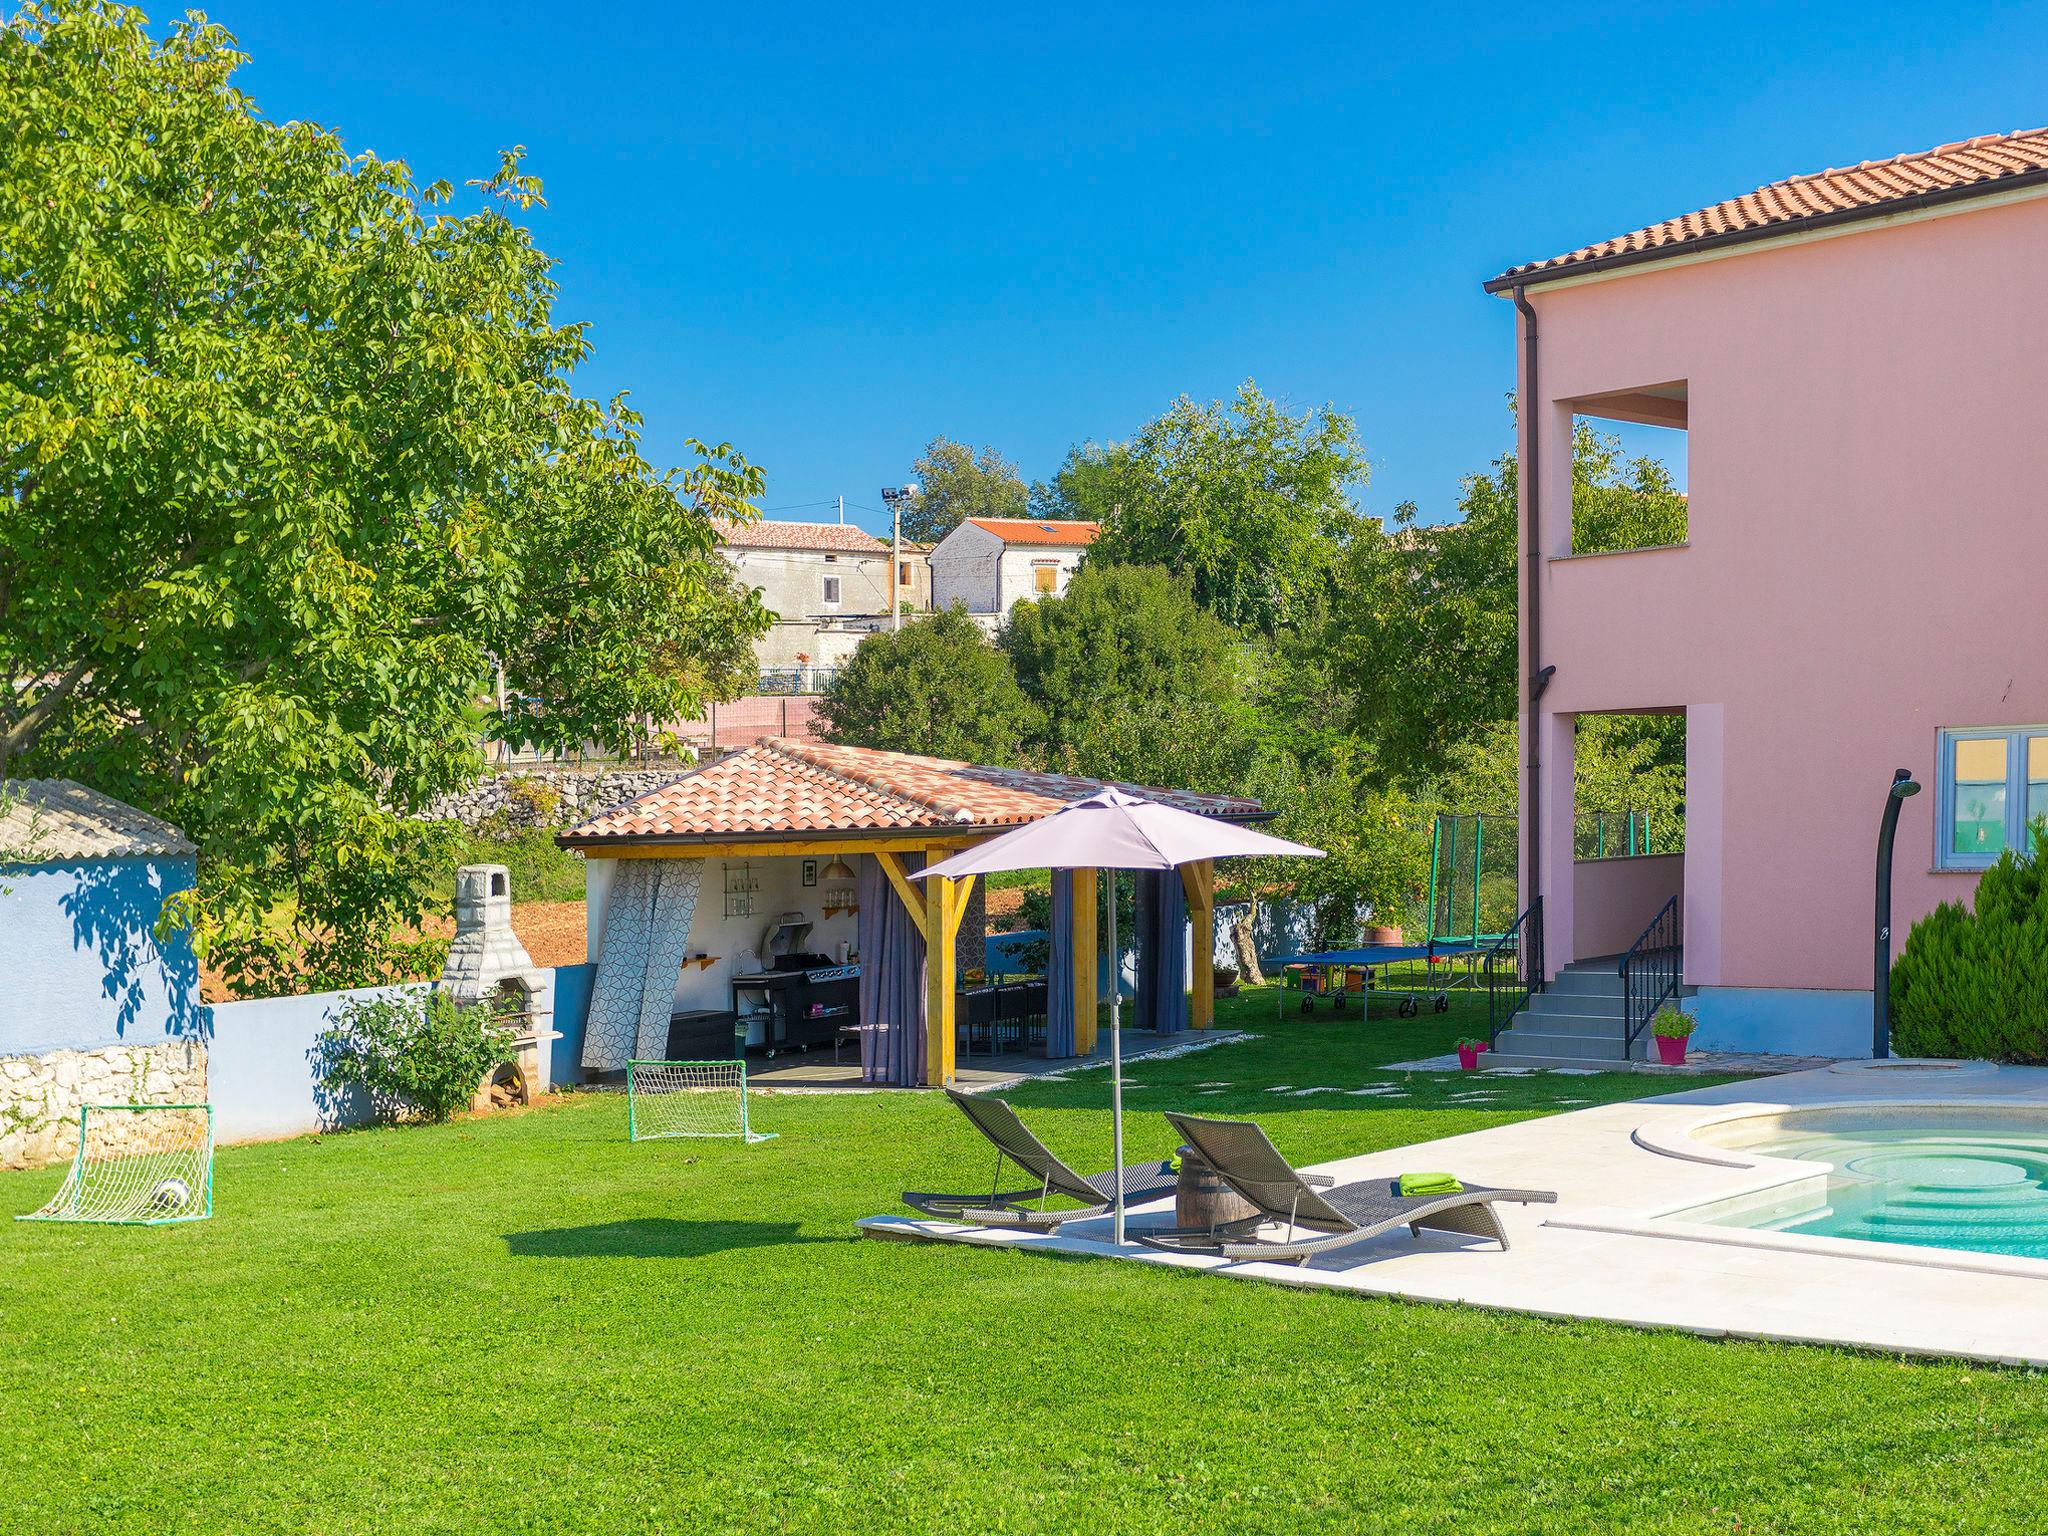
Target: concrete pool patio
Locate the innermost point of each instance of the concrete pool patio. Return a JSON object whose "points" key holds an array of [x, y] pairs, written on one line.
{"points": [[1611, 1250]]}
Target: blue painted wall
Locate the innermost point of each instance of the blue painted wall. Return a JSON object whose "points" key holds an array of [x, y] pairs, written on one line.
{"points": [[259, 1066], [79, 965], [1781, 1021], [260, 1060], [572, 1013]]}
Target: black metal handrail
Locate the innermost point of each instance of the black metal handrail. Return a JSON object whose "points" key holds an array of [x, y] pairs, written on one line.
{"points": [[1650, 972], [1513, 965]]}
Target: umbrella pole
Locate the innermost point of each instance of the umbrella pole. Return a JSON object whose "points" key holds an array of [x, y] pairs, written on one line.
{"points": [[1116, 1061]]}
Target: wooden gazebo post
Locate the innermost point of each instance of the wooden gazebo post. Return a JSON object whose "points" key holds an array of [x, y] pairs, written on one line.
{"points": [[1083, 942], [945, 906], [1199, 881]]}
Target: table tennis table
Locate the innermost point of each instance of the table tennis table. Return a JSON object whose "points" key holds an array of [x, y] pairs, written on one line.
{"points": [[1338, 973]]}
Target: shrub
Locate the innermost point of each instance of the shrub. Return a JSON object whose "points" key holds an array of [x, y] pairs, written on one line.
{"points": [[1975, 984], [532, 802], [1671, 1023], [421, 1052]]}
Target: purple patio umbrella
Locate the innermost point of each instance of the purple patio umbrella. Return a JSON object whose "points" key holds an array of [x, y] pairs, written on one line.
{"points": [[1113, 830]]}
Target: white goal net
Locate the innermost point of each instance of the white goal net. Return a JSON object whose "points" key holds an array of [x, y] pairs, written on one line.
{"points": [[140, 1163], [688, 1098]]}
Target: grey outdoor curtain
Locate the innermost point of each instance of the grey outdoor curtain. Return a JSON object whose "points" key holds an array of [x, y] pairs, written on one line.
{"points": [[891, 979], [646, 934], [1162, 917], [1059, 969]]}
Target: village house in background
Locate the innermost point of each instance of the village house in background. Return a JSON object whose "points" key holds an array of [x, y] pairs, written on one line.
{"points": [[829, 585], [1868, 354], [987, 565]]}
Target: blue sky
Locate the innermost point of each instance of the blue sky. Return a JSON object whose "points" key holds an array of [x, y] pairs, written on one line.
{"points": [[828, 233]]}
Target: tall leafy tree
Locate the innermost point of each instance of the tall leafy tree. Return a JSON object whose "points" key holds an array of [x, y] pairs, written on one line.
{"points": [[937, 687], [290, 467], [1426, 631], [1620, 502], [1130, 678], [954, 484], [1251, 502]]}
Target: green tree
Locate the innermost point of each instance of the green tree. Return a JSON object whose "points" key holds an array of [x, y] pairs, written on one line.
{"points": [[1428, 623], [1130, 678], [936, 686], [1618, 502], [1619, 763], [954, 485], [1974, 983], [1251, 502], [291, 467], [1375, 840]]}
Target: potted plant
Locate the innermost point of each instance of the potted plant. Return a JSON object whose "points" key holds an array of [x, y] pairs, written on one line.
{"points": [[1468, 1053], [1226, 980], [1672, 1028]]}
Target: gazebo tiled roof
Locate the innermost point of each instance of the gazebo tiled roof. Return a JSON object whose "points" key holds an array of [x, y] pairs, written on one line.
{"points": [[785, 787]]}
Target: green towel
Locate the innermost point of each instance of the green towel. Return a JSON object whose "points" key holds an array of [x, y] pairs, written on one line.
{"points": [[1430, 1184]]}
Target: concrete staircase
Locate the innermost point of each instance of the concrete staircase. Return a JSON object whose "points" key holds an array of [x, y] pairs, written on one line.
{"points": [[1576, 1022]]}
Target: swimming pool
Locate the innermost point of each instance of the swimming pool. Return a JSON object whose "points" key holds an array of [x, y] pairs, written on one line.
{"points": [[1974, 1179]]}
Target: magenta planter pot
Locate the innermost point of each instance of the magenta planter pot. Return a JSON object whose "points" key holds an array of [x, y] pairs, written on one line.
{"points": [[1468, 1057], [1671, 1050]]}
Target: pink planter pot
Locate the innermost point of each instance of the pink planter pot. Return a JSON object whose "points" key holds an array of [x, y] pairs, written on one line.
{"points": [[1671, 1051], [1468, 1057]]}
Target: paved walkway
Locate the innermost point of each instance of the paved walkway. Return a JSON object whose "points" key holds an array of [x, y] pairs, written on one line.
{"points": [[1697, 1064], [1608, 1250], [816, 1072]]}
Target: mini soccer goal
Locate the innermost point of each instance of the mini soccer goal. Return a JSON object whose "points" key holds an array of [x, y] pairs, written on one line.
{"points": [[143, 1164], [688, 1098]]}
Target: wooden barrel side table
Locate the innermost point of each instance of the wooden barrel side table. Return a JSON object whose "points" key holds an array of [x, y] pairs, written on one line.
{"points": [[1201, 1200]]}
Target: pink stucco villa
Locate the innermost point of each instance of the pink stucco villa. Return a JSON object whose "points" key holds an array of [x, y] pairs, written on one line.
{"points": [[1859, 359]]}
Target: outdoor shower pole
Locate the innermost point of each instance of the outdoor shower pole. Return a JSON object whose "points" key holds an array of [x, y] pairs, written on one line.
{"points": [[1881, 980], [1116, 1062]]}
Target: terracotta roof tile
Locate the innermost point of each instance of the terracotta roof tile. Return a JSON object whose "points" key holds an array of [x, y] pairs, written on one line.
{"points": [[1027, 530], [1980, 165], [784, 785], [833, 538]]}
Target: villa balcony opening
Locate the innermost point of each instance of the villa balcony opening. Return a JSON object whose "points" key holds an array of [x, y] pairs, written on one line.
{"points": [[1629, 468]]}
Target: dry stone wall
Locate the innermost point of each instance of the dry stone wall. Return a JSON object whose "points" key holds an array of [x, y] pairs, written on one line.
{"points": [[40, 1095], [547, 797]]}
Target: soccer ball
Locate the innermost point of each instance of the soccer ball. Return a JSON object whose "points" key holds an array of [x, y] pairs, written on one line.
{"points": [[170, 1195]]}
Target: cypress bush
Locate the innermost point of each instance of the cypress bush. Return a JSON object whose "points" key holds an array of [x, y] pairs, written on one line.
{"points": [[1975, 984]]}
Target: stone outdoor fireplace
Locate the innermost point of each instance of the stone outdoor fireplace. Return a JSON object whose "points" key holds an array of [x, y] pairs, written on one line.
{"points": [[488, 964]]}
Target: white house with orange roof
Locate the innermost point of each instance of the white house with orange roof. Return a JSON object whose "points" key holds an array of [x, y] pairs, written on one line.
{"points": [[988, 565]]}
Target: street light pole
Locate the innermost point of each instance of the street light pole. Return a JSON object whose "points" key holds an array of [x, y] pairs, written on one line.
{"points": [[893, 497], [1902, 788]]}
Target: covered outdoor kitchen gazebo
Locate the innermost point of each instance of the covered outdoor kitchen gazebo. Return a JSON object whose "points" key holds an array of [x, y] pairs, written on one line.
{"points": [[813, 845]]}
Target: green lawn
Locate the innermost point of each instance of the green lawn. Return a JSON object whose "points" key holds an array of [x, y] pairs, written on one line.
{"points": [[527, 1324]]}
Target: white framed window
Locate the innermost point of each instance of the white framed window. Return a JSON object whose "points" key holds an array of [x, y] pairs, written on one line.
{"points": [[1045, 576], [832, 590], [1993, 781]]}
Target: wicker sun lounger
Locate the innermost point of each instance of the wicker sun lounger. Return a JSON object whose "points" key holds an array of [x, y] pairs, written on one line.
{"points": [[1317, 1216], [1026, 1207]]}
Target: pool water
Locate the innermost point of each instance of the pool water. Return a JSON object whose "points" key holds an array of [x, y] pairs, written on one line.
{"points": [[1979, 1188]]}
